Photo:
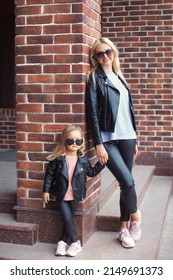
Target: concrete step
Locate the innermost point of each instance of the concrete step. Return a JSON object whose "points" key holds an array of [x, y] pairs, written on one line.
{"points": [[7, 205], [108, 216], [155, 242], [155, 207], [14, 232], [165, 250]]}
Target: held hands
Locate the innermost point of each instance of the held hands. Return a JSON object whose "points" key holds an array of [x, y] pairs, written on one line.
{"points": [[46, 197], [102, 155], [136, 151]]}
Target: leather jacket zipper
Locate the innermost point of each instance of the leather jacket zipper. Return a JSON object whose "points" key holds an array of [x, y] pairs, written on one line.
{"points": [[106, 102]]}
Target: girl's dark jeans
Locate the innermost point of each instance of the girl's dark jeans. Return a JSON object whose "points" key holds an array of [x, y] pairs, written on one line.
{"points": [[121, 154], [67, 210]]}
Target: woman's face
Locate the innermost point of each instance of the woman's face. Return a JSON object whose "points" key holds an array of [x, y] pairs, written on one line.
{"points": [[104, 55]]}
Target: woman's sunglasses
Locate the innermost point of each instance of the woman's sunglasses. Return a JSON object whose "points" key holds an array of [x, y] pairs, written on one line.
{"points": [[108, 52], [70, 142]]}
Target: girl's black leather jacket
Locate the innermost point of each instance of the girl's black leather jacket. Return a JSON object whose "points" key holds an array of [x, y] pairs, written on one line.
{"points": [[102, 101], [56, 177]]}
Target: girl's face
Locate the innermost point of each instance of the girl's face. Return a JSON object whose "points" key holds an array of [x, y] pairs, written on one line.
{"points": [[71, 146], [104, 55]]}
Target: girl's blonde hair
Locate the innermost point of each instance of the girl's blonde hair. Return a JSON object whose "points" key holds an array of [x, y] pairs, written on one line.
{"points": [[93, 61], [60, 149]]}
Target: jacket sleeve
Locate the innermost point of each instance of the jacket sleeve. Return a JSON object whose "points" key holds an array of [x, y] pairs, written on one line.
{"points": [[49, 176], [92, 110], [94, 170]]}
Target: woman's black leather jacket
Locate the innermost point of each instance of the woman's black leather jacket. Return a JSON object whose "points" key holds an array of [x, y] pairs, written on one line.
{"points": [[102, 101], [56, 177]]}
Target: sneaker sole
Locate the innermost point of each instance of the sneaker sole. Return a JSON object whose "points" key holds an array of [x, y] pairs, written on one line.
{"points": [[127, 247], [73, 255], [60, 255]]}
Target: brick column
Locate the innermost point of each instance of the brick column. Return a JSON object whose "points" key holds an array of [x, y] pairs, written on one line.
{"points": [[53, 39]]}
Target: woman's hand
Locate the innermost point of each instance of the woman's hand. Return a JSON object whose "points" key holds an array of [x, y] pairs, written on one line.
{"points": [[136, 151], [46, 197], [102, 155]]}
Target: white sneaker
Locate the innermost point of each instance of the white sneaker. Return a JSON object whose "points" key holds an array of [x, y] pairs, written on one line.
{"points": [[126, 239], [135, 228], [61, 248], [74, 249]]}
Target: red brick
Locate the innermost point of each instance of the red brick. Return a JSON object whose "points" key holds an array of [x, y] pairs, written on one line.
{"points": [[56, 68], [42, 1], [40, 98], [57, 108], [24, 165], [56, 88], [42, 19], [35, 108], [40, 59], [68, 18], [29, 146], [70, 78], [40, 79], [41, 137], [60, 49], [29, 10], [26, 30], [40, 118], [57, 9], [29, 127], [54, 29], [39, 40], [28, 69]]}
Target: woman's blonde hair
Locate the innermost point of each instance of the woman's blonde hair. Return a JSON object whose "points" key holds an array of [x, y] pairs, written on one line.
{"points": [[60, 149]]}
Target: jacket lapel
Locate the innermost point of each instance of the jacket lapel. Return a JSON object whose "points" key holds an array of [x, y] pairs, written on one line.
{"points": [[63, 169], [79, 165]]}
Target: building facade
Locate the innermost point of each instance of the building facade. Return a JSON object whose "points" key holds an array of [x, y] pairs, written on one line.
{"points": [[52, 40]]}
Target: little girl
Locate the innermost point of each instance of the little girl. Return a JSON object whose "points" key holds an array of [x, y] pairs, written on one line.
{"points": [[65, 178]]}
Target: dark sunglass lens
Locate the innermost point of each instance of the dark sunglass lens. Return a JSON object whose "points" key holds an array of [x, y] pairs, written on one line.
{"points": [[69, 142], [99, 54], [108, 52], [79, 142]]}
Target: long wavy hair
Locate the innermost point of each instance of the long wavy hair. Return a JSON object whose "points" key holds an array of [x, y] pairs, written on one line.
{"points": [[60, 149], [94, 63]]}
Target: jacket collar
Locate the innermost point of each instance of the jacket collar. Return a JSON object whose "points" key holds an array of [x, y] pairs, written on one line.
{"points": [[79, 154], [101, 73]]}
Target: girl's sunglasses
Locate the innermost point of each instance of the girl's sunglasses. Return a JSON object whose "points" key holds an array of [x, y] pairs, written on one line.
{"points": [[108, 52], [70, 142]]}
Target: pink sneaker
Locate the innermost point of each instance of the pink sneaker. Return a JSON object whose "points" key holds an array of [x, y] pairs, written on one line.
{"points": [[61, 248], [126, 239], [135, 228], [74, 249]]}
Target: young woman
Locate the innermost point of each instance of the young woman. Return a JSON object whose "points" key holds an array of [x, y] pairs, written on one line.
{"points": [[65, 178], [110, 116]]}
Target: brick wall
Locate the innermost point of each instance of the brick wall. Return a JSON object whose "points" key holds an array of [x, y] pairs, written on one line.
{"points": [[52, 45], [7, 128], [143, 32]]}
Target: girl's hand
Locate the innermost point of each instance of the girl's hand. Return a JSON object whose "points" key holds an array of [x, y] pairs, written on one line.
{"points": [[46, 197], [102, 155], [136, 151]]}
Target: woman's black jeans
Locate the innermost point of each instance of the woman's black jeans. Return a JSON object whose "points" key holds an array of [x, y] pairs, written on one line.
{"points": [[67, 210], [121, 154]]}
